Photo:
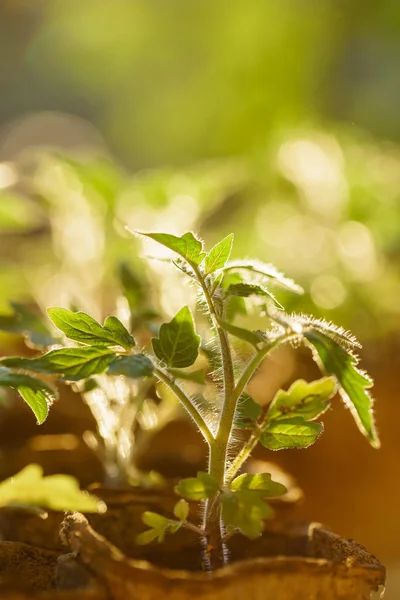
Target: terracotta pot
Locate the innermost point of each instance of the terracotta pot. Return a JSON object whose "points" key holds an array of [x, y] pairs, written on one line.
{"points": [[293, 562]]}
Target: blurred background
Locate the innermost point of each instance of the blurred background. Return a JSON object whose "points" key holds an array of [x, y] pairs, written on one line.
{"points": [[276, 120]]}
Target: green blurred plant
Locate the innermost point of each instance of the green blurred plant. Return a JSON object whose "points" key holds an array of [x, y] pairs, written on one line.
{"points": [[232, 503]]}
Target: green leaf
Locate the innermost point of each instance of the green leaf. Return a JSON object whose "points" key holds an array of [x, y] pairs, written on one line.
{"points": [[82, 328], [57, 492], [218, 255], [353, 383], [244, 334], [27, 323], [72, 363], [154, 520], [245, 510], [37, 394], [233, 305], [245, 289], [178, 343], [187, 246], [306, 400], [147, 537], [290, 433], [197, 488], [133, 366], [181, 510], [260, 483], [266, 271], [247, 412], [198, 376]]}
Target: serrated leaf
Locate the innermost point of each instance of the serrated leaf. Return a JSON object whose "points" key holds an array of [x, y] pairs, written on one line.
{"points": [[245, 289], [247, 412], [197, 488], [37, 394], [353, 383], [80, 327], [178, 343], [27, 323], [290, 433], [306, 400], [133, 366], [154, 520], [181, 510], [265, 270], [245, 510], [252, 337], [260, 483], [218, 255], [57, 492], [187, 246], [73, 363]]}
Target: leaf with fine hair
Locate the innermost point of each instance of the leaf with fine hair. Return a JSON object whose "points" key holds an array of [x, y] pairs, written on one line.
{"points": [[197, 488], [252, 337], [80, 327], [177, 343], [37, 394], [288, 433], [303, 399], [247, 412], [72, 363], [218, 255], [245, 289], [187, 246], [340, 362], [264, 270]]}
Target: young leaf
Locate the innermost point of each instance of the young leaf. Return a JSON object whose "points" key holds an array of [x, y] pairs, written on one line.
{"points": [[133, 366], [181, 510], [260, 483], [57, 492], [265, 270], [247, 412], [147, 537], [178, 343], [290, 433], [218, 255], [245, 510], [187, 246], [243, 334], [82, 328], [72, 363], [197, 488], [353, 383], [28, 323], [37, 394], [245, 289], [306, 400], [155, 520]]}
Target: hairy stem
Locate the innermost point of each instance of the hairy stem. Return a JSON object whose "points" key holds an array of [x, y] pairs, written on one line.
{"points": [[215, 551], [251, 443], [186, 402]]}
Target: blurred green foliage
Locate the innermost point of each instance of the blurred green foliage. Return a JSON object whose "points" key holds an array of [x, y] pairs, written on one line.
{"points": [[233, 116]]}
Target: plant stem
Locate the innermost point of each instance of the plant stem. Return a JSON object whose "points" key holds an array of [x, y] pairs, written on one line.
{"points": [[186, 402], [218, 449], [251, 443]]}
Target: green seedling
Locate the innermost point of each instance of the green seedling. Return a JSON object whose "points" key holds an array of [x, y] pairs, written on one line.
{"points": [[232, 425]]}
